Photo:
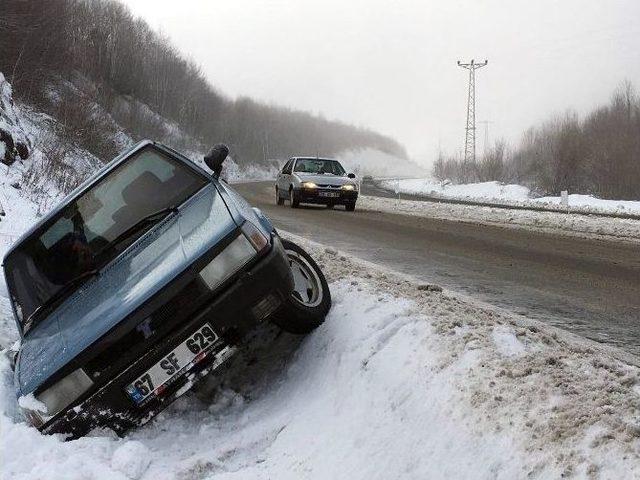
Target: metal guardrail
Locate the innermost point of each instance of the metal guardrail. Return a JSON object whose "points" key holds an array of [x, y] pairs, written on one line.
{"points": [[373, 187]]}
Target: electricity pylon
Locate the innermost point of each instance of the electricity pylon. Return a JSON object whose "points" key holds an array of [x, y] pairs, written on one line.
{"points": [[470, 138]]}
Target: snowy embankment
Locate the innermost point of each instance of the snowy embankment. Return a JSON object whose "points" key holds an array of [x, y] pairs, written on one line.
{"points": [[402, 381], [517, 195], [556, 223]]}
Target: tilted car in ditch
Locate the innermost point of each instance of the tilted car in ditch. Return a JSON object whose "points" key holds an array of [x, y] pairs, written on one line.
{"points": [[141, 282]]}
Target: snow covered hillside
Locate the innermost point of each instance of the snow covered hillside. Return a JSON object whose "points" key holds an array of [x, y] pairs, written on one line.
{"points": [[402, 381], [507, 194]]}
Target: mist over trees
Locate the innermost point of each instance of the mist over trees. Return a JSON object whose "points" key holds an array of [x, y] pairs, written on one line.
{"points": [[598, 155], [96, 53]]}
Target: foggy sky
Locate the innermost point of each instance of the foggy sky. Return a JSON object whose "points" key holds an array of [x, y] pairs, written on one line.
{"points": [[391, 66]]}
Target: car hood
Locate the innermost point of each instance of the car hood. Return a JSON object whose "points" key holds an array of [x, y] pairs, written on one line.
{"points": [[324, 179], [131, 279]]}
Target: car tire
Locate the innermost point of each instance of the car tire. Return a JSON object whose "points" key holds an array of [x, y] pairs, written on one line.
{"points": [[350, 207], [279, 199], [293, 198], [306, 308]]}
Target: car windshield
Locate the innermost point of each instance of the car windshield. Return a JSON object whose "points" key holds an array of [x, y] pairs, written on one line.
{"points": [[316, 165], [77, 240]]}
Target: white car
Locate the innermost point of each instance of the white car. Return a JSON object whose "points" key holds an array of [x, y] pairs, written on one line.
{"points": [[316, 180]]}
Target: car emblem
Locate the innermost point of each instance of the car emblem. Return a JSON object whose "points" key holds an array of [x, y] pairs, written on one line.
{"points": [[144, 327]]}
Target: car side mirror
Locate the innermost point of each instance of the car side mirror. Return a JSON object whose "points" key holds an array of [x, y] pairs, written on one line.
{"points": [[216, 157], [351, 175]]}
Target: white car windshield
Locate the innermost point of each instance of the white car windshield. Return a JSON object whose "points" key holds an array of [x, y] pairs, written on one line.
{"points": [[319, 166]]}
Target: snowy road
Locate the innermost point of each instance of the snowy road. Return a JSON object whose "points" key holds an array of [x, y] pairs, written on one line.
{"points": [[588, 286]]}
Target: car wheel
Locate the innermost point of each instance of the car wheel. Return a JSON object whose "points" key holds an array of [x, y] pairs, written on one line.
{"points": [[279, 199], [350, 207], [307, 306], [293, 199]]}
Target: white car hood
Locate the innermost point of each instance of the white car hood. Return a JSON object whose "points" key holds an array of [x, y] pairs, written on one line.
{"points": [[324, 179]]}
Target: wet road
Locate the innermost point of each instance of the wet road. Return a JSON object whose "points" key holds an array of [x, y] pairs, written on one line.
{"points": [[590, 287]]}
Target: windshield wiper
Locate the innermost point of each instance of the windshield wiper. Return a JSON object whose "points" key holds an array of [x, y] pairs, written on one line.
{"points": [[144, 221], [66, 288]]}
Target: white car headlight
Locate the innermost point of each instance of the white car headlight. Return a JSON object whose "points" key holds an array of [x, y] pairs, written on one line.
{"points": [[61, 394], [348, 187], [235, 256], [309, 185]]}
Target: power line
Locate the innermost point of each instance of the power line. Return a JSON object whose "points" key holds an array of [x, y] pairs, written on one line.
{"points": [[470, 137]]}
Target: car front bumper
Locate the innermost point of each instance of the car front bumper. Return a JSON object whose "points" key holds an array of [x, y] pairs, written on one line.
{"points": [[327, 196], [252, 296]]}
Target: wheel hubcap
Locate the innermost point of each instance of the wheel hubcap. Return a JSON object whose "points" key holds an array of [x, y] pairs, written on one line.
{"points": [[307, 287]]}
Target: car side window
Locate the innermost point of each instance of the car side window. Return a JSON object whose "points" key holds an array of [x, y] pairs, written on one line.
{"points": [[287, 167]]}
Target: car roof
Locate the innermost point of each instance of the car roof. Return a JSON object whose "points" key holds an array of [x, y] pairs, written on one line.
{"points": [[315, 158]]}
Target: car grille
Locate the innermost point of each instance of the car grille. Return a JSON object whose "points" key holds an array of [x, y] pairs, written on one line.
{"points": [[331, 187], [116, 353]]}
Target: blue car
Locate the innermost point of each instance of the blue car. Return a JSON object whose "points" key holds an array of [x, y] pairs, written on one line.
{"points": [[141, 282]]}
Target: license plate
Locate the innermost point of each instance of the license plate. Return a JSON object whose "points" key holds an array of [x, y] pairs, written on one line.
{"points": [[329, 194], [155, 380]]}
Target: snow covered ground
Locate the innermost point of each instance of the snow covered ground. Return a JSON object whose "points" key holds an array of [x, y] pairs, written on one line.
{"points": [[496, 192], [558, 223], [400, 382]]}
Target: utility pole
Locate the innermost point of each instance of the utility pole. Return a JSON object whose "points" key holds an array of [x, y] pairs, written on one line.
{"points": [[470, 138]]}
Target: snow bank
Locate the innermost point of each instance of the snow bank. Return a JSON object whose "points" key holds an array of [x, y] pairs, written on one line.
{"points": [[497, 192], [558, 223], [400, 382], [588, 202], [476, 191]]}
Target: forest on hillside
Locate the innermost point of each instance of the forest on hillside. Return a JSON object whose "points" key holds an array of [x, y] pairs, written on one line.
{"points": [[68, 56], [598, 154]]}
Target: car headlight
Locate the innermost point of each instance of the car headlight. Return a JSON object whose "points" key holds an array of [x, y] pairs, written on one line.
{"points": [[348, 187], [309, 185], [235, 256], [56, 398]]}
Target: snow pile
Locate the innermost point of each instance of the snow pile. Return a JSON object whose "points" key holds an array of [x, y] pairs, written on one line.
{"points": [[131, 459], [369, 161], [400, 382], [496, 192], [570, 224], [475, 191], [591, 203]]}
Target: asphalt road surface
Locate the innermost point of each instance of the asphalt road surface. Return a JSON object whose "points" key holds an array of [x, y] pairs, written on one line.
{"points": [[589, 287]]}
